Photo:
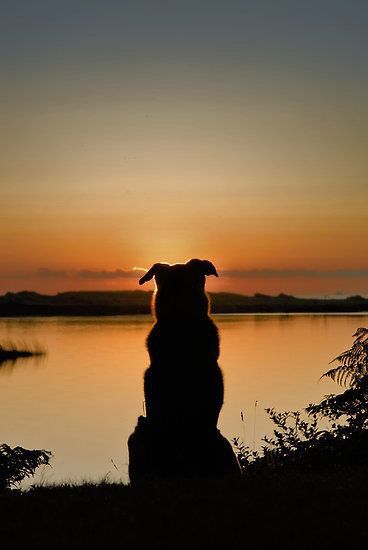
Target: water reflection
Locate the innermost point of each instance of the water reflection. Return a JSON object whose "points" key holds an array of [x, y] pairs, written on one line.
{"points": [[34, 362], [82, 400]]}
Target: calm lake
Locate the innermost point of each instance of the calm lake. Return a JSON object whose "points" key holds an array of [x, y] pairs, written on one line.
{"points": [[82, 400]]}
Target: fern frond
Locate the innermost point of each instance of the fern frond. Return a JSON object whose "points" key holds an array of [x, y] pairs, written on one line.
{"points": [[353, 362]]}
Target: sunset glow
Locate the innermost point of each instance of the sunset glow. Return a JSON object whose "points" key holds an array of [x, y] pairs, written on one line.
{"points": [[151, 135]]}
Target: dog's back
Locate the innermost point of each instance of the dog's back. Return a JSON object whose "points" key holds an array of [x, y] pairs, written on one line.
{"points": [[183, 385]]}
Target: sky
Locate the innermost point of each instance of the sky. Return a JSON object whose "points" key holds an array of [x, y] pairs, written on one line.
{"points": [[156, 130]]}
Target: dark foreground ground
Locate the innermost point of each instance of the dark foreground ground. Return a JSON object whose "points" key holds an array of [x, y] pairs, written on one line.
{"points": [[289, 510]]}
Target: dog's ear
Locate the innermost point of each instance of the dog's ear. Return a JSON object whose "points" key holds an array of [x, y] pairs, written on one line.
{"points": [[204, 266], [151, 273]]}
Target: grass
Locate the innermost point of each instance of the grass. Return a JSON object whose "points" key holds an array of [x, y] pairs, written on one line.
{"points": [[11, 351], [291, 509]]}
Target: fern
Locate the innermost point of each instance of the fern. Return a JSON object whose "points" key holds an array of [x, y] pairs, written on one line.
{"points": [[353, 362], [334, 431]]}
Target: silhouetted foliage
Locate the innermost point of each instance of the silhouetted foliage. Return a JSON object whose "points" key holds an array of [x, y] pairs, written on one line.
{"points": [[17, 463], [334, 431], [353, 363]]}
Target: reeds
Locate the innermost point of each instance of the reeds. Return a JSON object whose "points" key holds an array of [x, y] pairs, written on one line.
{"points": [[11, 350]]}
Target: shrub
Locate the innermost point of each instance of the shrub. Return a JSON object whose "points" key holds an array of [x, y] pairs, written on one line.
{"points": [[299, 440], [18, 463]]}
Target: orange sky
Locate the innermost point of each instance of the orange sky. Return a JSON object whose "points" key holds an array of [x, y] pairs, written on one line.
{"points": [[127, 141]]}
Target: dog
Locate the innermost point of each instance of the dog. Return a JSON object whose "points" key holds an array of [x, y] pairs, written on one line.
{"points": [[183, 386]]}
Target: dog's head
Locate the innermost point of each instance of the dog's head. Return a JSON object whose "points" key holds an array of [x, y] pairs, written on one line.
{"points": [[180, 289]]}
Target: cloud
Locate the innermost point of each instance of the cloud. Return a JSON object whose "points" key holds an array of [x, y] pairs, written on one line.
{"points": [[50, 274], [108, 275], [255, 273], [293, 273]]}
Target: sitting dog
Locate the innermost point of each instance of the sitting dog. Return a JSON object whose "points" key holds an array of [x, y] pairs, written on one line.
{"points": [[183, 386]]}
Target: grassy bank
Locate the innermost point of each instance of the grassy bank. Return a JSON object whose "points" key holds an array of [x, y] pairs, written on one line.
{"points": [[285, 510]]}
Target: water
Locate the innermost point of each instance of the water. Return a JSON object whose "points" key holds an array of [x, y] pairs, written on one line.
{"points": [[82, 400]]}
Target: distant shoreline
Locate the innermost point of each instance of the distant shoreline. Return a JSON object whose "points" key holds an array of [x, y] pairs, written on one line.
{"points": [[136, 302]]}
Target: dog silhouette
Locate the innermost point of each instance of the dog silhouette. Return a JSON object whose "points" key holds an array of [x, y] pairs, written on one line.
{"points": [[183, 385]]}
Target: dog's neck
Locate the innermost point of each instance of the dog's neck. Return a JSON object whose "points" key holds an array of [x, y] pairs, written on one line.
{"points": [[181, 307]]}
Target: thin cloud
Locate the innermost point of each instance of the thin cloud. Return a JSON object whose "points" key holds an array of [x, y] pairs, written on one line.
{"points": [[108, 275], [293, 273], [255, 273], [47, 273]]}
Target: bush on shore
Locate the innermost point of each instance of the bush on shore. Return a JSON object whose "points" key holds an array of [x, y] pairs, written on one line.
{"points": [[332, 432], [17, 463]]}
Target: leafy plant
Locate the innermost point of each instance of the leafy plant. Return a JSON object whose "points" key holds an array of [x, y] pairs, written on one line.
{"points": [[299, 439], [17, 463], [353, 365], [351, 406]]}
